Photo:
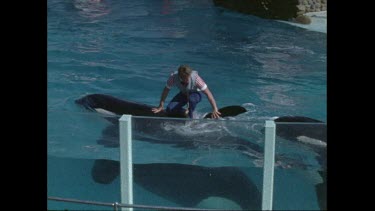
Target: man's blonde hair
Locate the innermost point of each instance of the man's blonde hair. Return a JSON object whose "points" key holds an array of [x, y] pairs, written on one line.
{"points": [[185, 69]]}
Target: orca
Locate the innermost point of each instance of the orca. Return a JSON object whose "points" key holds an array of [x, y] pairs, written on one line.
{"points": [[186, 185], [117, 106], [107, 103], [154, 130], [313, 135], [294, 132]]}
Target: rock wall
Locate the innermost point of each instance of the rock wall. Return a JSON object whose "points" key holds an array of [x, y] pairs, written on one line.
{"points": [[305, 6], [274, 9]]}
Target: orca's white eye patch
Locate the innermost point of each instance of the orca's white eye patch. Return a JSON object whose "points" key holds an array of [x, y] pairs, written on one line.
{"points": [[103, 111]]}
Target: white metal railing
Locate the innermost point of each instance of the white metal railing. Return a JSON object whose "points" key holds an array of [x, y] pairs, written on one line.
{"points": [[126, 161], [126, 172], [116, 205], [269, 164]]}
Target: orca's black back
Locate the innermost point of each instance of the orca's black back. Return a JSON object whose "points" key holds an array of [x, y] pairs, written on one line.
{"points": [[229, 111], [116, 105]]}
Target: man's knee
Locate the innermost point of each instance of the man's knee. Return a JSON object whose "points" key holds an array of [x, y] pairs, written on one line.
{"points": [[173, 107], [195, 98], [173, 110], [170, 108], [176, 112]]}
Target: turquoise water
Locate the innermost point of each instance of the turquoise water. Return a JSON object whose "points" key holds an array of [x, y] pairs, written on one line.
{"points": [[128, 48]]}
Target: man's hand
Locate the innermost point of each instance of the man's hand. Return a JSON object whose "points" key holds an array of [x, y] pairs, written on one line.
{"points": [[157, 110], [215, 114]]}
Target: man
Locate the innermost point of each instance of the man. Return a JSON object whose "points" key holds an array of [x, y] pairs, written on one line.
{"points": [[191, 85]]}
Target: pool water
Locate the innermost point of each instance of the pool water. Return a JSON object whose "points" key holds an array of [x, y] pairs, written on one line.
{"points": [[128, 49]]}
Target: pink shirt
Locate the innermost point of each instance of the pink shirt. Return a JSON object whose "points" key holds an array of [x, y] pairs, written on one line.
{"points": [[199, 82]]}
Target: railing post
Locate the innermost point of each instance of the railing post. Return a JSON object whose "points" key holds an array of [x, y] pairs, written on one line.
{"points": [[126, 162], [115, 206], [269, 163]]}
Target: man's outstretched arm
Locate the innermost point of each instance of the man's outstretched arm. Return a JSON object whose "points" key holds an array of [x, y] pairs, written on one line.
{"points": [[215, 112], [162, 100]]}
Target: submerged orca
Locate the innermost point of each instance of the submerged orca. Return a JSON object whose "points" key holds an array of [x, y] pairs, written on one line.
{"points": [[294, 132], [142, 132], [187, 185], [313, 135]]}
